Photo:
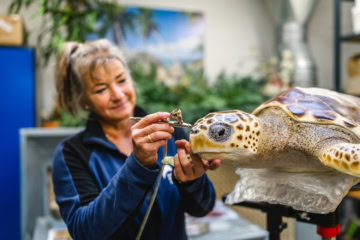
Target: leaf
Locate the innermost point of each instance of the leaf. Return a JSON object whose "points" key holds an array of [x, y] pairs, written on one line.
{"points": [[14, 7], [198, 98], [28, 2], [91, 18], [39, 12]]}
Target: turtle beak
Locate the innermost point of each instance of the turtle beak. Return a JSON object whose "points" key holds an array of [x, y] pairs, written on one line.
{"points": [[194, 140]]}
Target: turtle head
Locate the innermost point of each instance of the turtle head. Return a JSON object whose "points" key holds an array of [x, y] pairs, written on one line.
{"points": [[229, 135]]}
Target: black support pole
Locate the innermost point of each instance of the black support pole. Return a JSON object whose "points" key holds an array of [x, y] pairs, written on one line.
{"points": [[274, 225]]}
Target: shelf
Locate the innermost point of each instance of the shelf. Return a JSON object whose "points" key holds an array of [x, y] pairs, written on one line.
{"points": [[338, 40], [36, 154], [350, 38]]}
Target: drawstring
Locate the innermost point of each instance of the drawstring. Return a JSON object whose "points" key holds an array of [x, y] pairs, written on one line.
{"points": [[176, 115], [153, 197]]}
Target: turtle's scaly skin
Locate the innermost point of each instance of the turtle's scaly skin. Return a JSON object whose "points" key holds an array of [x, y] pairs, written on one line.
{"points": [[302, 129]]}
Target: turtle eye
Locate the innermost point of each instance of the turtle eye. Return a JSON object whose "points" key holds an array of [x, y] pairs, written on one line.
{"points": [[220, 132]]}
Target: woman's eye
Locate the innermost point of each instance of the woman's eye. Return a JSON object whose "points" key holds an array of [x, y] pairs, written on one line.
{"points": [[98, 91], [122, 80]]}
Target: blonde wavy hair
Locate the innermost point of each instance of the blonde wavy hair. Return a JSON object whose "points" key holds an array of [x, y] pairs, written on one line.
{"points": [[74, 62]]}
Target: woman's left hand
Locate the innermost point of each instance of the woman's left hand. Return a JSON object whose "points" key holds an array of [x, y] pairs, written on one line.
{"points": [[184, 170]]}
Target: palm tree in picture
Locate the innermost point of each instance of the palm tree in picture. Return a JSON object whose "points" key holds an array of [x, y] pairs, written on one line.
{"points": [[124, 20]]}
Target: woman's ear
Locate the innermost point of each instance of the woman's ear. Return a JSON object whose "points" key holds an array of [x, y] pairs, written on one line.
{"points": [[85, 104]]}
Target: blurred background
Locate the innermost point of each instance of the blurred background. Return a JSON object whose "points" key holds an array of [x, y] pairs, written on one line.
{"points": [[199, 56]]}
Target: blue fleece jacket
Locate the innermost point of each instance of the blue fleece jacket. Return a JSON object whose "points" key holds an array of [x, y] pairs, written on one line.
{"points": [[104, 194]]}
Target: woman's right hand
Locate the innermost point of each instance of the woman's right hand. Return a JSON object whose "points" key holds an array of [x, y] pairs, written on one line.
{"points": [[148, 135]]}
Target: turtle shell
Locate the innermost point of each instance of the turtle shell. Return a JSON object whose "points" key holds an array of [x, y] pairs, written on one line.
{"points": [[318, 106]]}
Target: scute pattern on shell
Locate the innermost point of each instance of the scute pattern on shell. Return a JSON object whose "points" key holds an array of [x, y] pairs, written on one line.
{"points": [[320, 106]]}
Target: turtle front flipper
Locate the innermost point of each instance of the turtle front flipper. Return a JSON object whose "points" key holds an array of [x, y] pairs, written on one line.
{"points": [[344, 157]]}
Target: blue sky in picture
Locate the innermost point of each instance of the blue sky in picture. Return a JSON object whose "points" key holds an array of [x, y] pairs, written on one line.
{"points": [[178, 39]]}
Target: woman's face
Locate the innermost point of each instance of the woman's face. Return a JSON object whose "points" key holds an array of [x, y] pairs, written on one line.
{"points": [[109, 92]]}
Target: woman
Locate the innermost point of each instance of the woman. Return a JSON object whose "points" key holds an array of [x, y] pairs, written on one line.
{"points": [[104, 176]]}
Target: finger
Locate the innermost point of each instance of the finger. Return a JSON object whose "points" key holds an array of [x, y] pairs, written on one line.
{"points": [[174, 172], [198, 166], [156, 128], [178, 172], [151, 148], [206, 163], [156, 136], [142, 135], [150, 138], [152, 118], [196, 160], [180, 143], [212, 165], [186, 165]]}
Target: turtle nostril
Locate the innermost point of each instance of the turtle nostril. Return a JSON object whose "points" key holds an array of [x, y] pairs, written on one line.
{"points": [[194, 131]]}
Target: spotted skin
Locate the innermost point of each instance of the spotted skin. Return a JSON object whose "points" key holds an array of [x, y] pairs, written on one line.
{"points": [[344, 156], [245, 131], [318, 126]]}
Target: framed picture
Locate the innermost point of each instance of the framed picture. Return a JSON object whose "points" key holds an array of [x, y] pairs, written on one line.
{"points": [[173, 41]]}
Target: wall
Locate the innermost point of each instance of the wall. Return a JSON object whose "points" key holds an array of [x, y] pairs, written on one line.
{"points": [[320, 39], [235, 33]]}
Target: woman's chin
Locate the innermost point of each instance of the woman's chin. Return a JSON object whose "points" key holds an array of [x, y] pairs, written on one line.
{"points": [[123, 114]]}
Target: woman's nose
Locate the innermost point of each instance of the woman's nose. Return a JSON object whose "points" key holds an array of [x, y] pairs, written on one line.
{"points": [[117, 93]]}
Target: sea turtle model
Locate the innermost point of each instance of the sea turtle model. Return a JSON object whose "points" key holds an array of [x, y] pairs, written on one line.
{"points": [[300, 130]]}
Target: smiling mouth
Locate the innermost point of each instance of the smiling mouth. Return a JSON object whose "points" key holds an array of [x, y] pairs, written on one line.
{"points": [[119, 105]]}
